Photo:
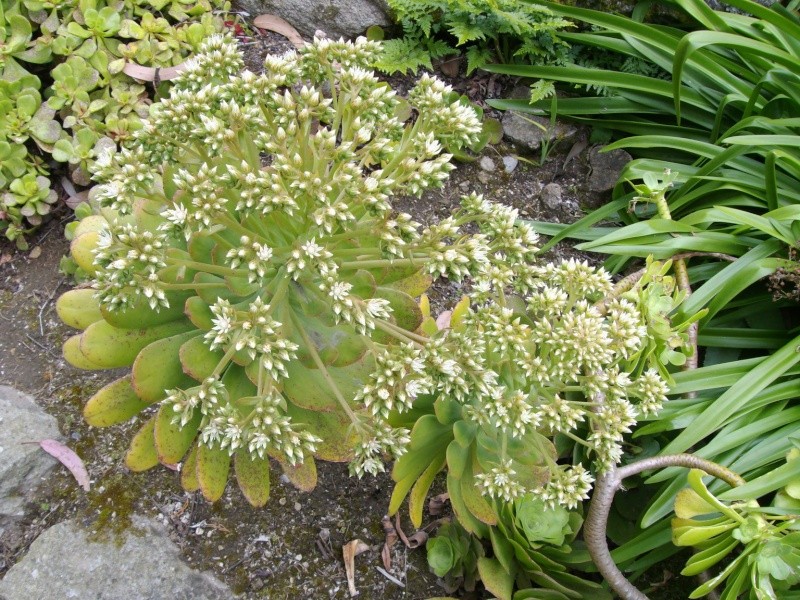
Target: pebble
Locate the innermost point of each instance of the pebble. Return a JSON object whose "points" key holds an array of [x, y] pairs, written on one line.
{"points": [[510, 163], [298, 507], [487, 164], [551, 195]]}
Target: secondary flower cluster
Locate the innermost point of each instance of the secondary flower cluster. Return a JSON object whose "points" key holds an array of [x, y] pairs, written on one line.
{"points": [[547, 361]]}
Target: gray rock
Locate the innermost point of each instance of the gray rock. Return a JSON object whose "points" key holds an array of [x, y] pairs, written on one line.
{"points": [[524, 131], [510, 163], [23, 466], [551, 196], [64, 563], [337, 18], [487, 164], [606, 168]]}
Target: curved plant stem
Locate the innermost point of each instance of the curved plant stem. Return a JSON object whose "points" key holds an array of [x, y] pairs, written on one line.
{"points": [[607, 484]]}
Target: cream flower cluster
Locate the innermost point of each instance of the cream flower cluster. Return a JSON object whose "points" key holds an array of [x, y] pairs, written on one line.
{"points": [[267, 196]]}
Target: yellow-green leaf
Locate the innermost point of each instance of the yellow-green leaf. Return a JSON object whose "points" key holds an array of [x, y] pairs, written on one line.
{"points": [[303, 476], [111, 347], [114, 403], [416, 500], [213, 466], [495, 578], [252, 475], [173, 440], [78, 308], [158, 367], [189, 480], [142, 454]]}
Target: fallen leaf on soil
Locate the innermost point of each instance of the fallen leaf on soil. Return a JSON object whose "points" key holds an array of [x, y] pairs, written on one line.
{"points": [[278, 25], [77, 198], [5, 258], [443, 320], [350, 550], [36, 252], [436, 504], [150, 74], [450, 66], [69, 459], [399, 529], [391, 540], [417, 539]]}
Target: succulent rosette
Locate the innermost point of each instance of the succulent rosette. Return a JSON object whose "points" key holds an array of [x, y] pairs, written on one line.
{"points": [[247, 264]]}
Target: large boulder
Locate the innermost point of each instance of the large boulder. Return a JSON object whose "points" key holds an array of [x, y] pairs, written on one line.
{"points": [[337, 18], [23, 464], [64, 562]]}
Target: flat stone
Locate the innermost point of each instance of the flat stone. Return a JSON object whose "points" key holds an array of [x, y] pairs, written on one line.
{"points": [[337, 18], [487, 164], [551, 196], [23, 465], [606, 168], [510, 163], [64, 563], [524, 131]]}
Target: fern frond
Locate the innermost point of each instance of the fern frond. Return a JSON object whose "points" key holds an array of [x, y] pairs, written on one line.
{"points": [[541, 89], [477, 56], [403, 55]]}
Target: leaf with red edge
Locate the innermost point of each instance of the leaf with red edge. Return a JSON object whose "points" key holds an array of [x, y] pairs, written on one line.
{"points": [[67, 457]]}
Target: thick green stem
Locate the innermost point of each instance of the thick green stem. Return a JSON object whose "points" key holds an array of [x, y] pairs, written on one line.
{"points": [[400, 333], [208, 268], [325, 374]]}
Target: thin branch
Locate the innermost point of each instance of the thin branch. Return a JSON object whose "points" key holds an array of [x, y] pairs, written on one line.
{"points": [[606, 486]]}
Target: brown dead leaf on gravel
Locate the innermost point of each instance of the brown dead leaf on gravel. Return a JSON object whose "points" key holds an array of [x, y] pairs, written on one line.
{"points": [[436, 504], [68, 458], [417, 539], [278, 25], [391, 540], [349, 551]]}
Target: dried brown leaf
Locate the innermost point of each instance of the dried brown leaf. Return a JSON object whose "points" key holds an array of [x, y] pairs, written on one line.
{"points": [[399, 529], [36, 252], [391, 540], [349, 551], [450, 66], [150, 74], [436, 504], [77, 198], [443, 320], [386, 556], [278, 25], [417, 539], [68, 458]]}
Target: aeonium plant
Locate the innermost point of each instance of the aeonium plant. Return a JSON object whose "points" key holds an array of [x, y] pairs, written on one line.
{"points": [[543, 370], [247, 264]]}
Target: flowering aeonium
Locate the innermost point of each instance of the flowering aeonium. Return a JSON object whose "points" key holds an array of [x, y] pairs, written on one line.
{"points": [[252, 270]]}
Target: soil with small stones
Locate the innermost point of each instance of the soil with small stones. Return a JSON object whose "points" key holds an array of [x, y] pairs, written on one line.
{"points": [[292, 548]]}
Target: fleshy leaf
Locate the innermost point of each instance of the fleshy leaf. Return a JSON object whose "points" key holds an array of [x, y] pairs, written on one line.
{"points": [[252, 475], [115, 403]]}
